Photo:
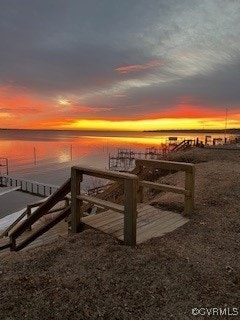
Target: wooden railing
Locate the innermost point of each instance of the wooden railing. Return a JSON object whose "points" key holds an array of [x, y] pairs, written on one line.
{"points": [[43, 209], [27, 213], [187, 191], [132, 185], [129, 207], [184, 145]]}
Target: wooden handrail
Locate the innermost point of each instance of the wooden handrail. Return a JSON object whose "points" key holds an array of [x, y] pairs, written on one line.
{"points": [[102, 203], [62, 215], [163, 187], [105, 174], [110, 190], [187, 191], [43, 209], [28, 212], [12, 225], [129, 181], [166, 165], [25, 212]]}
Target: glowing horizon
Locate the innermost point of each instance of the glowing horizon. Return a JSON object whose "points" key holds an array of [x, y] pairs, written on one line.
{"points": [[20, 109], [153, 124], [147, 74], [136, 125]]}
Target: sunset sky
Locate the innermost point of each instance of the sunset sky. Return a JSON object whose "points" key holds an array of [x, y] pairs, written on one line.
{"points": [[119, 65]]}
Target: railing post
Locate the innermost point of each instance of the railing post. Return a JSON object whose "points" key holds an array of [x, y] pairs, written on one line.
{"points": [[29, 211], [76, 204], [130, 212], [13, 244], [140, 195], [7, 165], [189, 197]]}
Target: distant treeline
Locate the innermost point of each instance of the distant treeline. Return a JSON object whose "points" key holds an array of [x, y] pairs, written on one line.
{"points": [[229, 131]]}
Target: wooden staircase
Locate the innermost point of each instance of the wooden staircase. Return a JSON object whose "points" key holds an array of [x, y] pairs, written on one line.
{"points": [[122, 212], [185, 144], [50, 206]]}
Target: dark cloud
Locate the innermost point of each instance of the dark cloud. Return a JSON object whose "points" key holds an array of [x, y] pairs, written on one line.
{"points": [[73, 49]]}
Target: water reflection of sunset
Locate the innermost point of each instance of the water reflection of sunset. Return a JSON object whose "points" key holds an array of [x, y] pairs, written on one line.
{"points": [[133, 141], [67, 147]]}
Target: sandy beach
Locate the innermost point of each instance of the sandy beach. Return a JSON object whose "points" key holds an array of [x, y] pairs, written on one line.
{"points": [[91, 276]]}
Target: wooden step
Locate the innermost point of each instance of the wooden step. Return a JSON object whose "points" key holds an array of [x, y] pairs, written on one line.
{"points": [[43, 229], [4, 243]]}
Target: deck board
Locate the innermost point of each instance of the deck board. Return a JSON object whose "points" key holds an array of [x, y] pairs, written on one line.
{"points": [[151, 222]]}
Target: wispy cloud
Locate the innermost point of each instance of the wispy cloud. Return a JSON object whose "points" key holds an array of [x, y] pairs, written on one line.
{"points": [[139, 67]]}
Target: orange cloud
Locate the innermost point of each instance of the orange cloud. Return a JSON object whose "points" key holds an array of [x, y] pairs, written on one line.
{"points": [[139, 67], [188, 107], [18, 102], [19, 109]]}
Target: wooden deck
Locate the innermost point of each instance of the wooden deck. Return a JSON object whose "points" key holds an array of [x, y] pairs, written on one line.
{"points": [[151, 222]]}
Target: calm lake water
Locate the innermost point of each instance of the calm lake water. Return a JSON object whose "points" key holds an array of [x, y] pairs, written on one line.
{"points": [[47, 156], [31, 152]]}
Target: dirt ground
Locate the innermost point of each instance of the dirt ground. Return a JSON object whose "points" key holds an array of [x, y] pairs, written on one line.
{"points": [[93, 276]]}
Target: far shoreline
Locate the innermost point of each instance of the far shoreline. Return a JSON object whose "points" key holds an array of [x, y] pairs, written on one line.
{"points": [[228, 131], [221, 131]]}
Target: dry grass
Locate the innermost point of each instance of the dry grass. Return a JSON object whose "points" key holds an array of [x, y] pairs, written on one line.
{"points": [[92, 276]]}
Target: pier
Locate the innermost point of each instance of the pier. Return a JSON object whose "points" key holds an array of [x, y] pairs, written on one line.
{"points": [[125, 158], [29, 186], [3, 166]]}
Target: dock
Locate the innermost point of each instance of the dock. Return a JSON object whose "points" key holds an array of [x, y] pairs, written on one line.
{"points": [[3, 166], [28, 186], [125, 159]]}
